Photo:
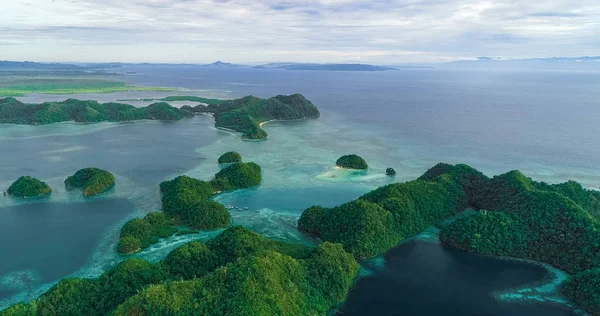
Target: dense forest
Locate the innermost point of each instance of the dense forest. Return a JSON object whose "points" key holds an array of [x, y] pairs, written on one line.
{"points": [[186, 201], [352, 162], [29, 187], [246, 114], [92, 181], [14, 112], [239, 272], [518, 217]]}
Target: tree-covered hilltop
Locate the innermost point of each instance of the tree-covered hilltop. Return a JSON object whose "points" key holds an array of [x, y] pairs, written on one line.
{"points": [[93, 181], [246, 114], [240, 175], [352, 162], [15, 112], [230, 157], [187, 200], [238, 272], [29, 187], [553, 223], [139, 233]]}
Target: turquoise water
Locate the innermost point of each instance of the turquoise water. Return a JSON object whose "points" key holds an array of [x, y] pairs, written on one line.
{"points": [[297, 162]]}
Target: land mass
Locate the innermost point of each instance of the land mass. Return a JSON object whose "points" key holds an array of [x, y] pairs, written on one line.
{"points": [[29, 187], [13, 111], [518, 217], [92, 181], [243, 115]]}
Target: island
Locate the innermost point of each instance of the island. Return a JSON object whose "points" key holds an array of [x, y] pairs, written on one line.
{"points": [[93, 181], [390, 172], [238, 272], [352, 162], [239, 175], [246, 115], [230, 157], [13, 111], [29, 187], [517, 217], [186, 201], [140, 233]]}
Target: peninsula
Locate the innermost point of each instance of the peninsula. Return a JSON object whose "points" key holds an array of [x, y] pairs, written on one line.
{"points": [[245, 115]]}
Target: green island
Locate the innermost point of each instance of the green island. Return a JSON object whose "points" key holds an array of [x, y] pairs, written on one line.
{"points": [[140, 233], [186, 201], [390, 171], [29, 187], [93, 181], [518, 217], [239, 272], [352, 162], [13, 111], [246, 115], [230, 157], [11, 86]]}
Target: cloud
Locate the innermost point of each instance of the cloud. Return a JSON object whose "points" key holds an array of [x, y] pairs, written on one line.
{"points": [[307, 30]]}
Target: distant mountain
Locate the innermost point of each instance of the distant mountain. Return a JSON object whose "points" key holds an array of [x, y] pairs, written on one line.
{"points": [[220, 64], [28, 65], [325, 67]]}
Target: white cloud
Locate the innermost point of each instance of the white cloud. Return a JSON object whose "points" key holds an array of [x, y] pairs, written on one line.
{"points": [[309, 30]]}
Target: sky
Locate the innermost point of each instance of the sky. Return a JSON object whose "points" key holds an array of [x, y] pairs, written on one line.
{"points": [[253, 31]]}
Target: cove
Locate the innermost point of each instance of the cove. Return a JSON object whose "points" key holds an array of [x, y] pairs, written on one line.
{"points": [[424, 278]]}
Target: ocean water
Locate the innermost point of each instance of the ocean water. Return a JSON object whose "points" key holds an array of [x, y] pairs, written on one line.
{"points": [[538, 122]]}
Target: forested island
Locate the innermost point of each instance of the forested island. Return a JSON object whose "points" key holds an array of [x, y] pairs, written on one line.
{"points": [[230, 157], [29, 187], [13, 111], [352, 162], [239, 272], [92, 181], [186, 201], [518, 217], [246, 115]]}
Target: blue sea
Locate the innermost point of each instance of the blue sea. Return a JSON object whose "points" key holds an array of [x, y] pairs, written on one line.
{"points": [[540, 122]]}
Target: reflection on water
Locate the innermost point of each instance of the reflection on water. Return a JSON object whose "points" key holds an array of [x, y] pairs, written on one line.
{"points": [[423, 278]]}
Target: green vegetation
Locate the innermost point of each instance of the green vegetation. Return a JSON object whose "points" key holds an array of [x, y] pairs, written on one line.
{"points": [[390, 172], [29, 187], [20, 86], [93, 181], [230, 157], [518, 217], [246, 114], [14, 112], [139, 233], [186, 199], [352, 162], [239, 175], [378, 220], [237, 273], [584, 289]]}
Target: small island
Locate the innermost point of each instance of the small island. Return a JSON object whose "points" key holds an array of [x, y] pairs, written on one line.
{"points": [[230, 157], [29, 187], [13, 111], [93, 181], [390, 172], [139, 233], [352, 162], [239, 175]]}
